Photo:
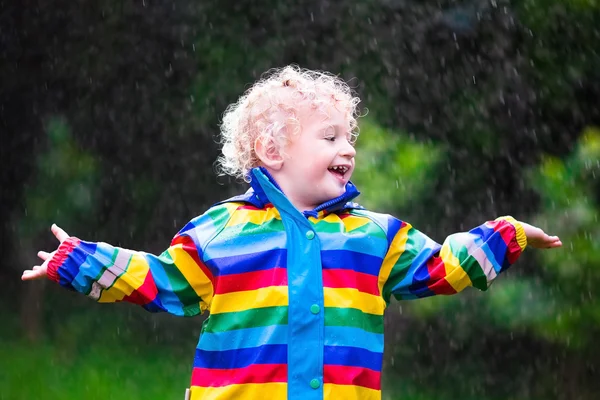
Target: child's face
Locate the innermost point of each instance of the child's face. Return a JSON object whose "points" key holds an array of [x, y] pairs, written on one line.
{"points": [[319, 161]]}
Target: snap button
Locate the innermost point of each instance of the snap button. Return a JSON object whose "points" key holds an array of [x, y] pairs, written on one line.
{"points": [[310, 235], [315, 309], [314, 383]]}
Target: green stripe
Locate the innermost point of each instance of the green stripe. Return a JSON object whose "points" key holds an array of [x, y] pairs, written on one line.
{"points": [[369, 228], [219, 214], [414, 244], [247, 319], [249, 229], [179, 284], [469, 264], [351, 317]]}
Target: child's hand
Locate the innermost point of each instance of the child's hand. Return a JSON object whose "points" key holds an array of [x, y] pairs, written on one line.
{"points": [[539, 239], [40, 271]]}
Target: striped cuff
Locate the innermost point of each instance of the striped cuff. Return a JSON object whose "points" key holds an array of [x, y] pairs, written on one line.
{"points": [[57, 260], [519, 231]]}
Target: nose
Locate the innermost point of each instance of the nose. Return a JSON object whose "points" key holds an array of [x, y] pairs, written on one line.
{"points": [[347, 150]]}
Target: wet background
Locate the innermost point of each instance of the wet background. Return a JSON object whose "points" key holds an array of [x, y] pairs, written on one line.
{"points": [[109, 116]]}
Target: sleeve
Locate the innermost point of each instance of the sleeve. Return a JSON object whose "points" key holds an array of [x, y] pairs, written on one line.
{"points": [[416, 266], [178, 281]]}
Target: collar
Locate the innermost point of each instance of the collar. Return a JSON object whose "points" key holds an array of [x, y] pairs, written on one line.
{"points": [[264, 190]]}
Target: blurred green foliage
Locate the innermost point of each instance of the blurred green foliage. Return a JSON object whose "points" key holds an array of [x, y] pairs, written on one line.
{"points": [[392, 169], [64, 185]]}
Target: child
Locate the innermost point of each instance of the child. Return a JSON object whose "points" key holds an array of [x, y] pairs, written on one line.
{"points": [[295, 275]]}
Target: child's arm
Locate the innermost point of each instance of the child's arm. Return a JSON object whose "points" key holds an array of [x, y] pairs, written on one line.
{"points": [[177, 281], [416, 266]]}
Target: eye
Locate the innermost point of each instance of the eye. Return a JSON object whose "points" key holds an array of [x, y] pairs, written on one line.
{"points": [[330, 138]]}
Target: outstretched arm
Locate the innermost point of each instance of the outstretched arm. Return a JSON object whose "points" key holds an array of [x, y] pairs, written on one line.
{"points": [[416, 266], [177, 281]]}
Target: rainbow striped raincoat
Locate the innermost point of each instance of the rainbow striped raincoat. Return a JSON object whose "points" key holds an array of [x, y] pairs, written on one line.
{"points": [[295, 299]]}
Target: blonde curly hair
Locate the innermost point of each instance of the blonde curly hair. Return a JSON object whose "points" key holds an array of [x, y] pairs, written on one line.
{"points": [[268, 111]]}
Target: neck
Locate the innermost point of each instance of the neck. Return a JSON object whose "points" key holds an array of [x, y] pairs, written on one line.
{"points": [[287, 190]]}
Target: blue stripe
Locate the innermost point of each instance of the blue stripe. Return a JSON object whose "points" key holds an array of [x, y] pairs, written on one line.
{"points": [[202, 228], [367, 243], [351, 260], [352, 357], [499, 248], [489, 254], [69, 269], [248, 262], [240, 358], [243, 338], [229, 244], [417, 275], [166, 299], [98, 256], [421, 279], [155, 306], [393, 227], [483, 231], [353, 337]]}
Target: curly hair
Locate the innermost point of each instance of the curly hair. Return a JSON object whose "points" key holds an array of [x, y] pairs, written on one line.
{"points": [[268, 111]]}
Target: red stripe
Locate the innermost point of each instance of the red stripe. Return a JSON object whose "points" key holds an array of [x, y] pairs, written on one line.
{"points": [[63, 251], [188, 245], [257, 373], [509, 234], [347, 278], [251, 280], [144, 294], [514, 251], [437, 274], [358, 376], [504, 228]]}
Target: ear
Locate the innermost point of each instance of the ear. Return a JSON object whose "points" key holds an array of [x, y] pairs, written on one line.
{"points": [[268, 153]]}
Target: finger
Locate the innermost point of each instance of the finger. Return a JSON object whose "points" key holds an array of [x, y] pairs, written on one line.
{"points": [[553, 242], [43, 255], [59, 233], [556, 244], [32, 274]]}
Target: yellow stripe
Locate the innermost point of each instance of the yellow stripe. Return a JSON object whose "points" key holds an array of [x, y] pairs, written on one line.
{"points": [[192, 273], [350, 392], [239, 301], [352, 298], [256, 217], [394, 252], [329, 218], [455, 274], [247, 391], [351, 223], [132, 279]]}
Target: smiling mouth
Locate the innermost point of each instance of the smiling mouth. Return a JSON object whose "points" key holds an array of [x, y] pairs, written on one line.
{"points": [[339, 170]]}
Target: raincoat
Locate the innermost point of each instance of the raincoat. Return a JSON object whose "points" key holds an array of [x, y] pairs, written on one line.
{"points": [[295, 299]]}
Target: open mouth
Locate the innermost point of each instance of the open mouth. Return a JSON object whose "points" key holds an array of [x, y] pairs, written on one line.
{"points": [[339, 170]]}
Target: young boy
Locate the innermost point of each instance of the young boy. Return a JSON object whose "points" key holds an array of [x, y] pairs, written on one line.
{"points": [[295, 276]]}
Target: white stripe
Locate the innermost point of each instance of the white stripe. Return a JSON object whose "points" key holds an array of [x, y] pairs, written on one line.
{"points": [[476, 251], [112, 273], [486, 264]]}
